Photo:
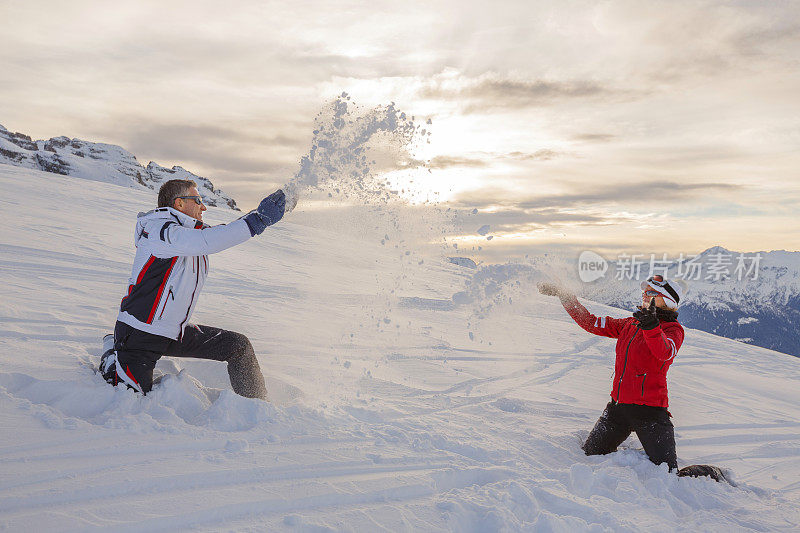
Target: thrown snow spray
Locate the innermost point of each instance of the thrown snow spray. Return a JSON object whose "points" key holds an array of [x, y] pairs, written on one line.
{"points": [[496, 290], [365, 159], [500, 284], [350, 148]]}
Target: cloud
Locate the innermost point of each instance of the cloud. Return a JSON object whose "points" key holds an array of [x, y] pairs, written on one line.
{"points": [[201, 135], [214, 147], [491, 90], [483, 159], [651, 192], [754, 39], [655, 192], [539, 155], [595, 137], [514, 215], [523, 221], [445, 161], [522, 227]]}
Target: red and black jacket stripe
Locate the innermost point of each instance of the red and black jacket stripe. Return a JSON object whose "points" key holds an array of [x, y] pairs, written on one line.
{"points": [[143, 297]]}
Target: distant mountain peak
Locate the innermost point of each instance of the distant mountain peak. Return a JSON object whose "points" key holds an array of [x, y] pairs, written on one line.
{"points": [[716, 250], [99, 162]]}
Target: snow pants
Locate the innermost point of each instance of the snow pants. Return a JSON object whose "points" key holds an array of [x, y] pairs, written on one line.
{"points": [[138, 352], [651, 424]]}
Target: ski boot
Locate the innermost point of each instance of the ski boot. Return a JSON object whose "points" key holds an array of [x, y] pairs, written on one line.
{"points": [[108, 361], [714, 472]]}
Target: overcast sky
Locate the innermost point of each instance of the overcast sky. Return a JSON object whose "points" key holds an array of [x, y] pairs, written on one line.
{"points": [[668, 126]]}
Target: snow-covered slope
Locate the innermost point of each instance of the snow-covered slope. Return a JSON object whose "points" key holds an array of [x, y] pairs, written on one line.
{"points": [[758, 305], [99, 162], [386, 416]]}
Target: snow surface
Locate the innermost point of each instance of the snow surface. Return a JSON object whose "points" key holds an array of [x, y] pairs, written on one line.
{"points": [[385, 415]]}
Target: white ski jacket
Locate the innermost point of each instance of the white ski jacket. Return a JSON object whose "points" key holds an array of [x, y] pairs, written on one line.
{"points": [[170, 267]]}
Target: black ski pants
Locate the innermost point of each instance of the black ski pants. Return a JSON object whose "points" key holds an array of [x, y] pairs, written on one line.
{"points": [[138, 352], [651, 424]]}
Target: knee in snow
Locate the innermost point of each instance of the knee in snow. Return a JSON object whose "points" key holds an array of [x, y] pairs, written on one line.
{"points": [[239, 345]]}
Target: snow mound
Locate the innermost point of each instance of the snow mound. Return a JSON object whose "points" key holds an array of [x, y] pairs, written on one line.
{"points": [[179, 403]]}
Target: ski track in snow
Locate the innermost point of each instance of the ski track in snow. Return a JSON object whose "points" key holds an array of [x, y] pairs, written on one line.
{"points": [[372, 427]]}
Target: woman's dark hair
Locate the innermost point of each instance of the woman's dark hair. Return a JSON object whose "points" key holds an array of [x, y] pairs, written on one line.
{"points": [[172, 189]]}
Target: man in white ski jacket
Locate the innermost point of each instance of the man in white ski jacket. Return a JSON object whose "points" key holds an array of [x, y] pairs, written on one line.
{"points": [[169, 269]]}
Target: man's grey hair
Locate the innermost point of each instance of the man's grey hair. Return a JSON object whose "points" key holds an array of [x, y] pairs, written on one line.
{"points": [[172, 189]]}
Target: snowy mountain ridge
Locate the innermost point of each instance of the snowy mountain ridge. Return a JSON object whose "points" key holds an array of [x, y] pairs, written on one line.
{"points": [[776, 282], [98, 162], [759, 305]]}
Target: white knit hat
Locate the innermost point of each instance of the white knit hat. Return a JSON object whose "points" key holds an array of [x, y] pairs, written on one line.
{"points": [[671, 290]]}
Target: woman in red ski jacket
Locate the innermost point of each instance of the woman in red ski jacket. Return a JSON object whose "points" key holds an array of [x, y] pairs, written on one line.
{"points": [[647, 343]]}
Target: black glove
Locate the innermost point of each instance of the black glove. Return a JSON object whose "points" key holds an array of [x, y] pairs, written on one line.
{"points": [[268, 212], [647, 316], [255, 223], [272, 207]]}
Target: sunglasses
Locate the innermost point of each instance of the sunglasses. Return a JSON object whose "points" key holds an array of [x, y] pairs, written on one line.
{"points": [[650, 293], [197, 199]]}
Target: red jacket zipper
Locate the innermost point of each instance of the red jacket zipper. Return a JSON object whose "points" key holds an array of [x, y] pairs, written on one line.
{"points": [[189, 309], [625, 364], [166, 300], [644, 377]]}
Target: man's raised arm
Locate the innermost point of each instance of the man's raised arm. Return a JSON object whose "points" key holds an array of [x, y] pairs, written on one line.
{"points": [[172, 239]]}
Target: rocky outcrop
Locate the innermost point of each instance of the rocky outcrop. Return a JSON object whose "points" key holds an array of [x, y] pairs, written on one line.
{"points": [[213, 197], [99, 162]]}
